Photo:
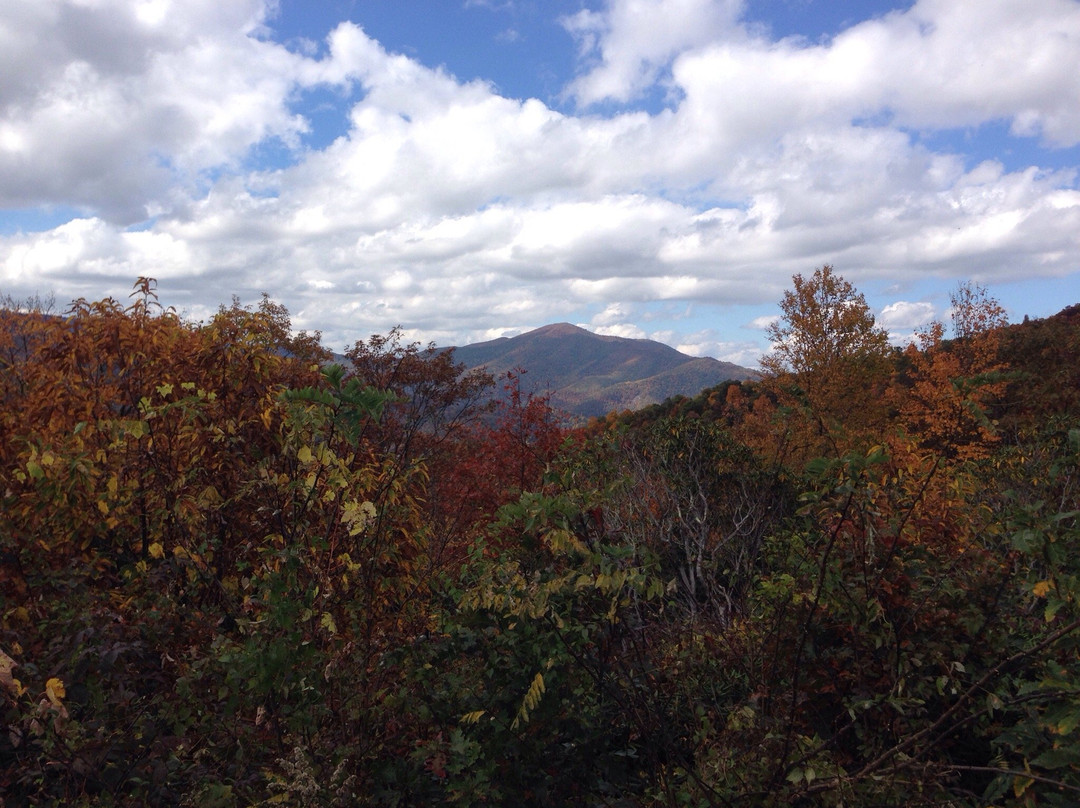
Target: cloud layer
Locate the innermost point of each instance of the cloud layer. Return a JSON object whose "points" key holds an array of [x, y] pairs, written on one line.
{"points": [[462, 214]]}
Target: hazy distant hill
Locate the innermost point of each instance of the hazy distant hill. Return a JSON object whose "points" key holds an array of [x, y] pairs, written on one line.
{"points": [[589, 374]]}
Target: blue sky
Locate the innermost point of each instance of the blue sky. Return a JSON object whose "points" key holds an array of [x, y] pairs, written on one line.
{"points": [[475, 168]]}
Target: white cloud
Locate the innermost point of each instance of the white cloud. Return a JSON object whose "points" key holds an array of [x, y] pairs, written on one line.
{"points": [[97, 250], [903, 319], [120, 108], [763, 323], [939, 64], [630, 43], [906, 315], [460, 213], [612, 314], [709, 342], [625, 330]]}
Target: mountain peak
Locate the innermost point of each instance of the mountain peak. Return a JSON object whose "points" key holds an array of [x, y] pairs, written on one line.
{"points": [[590, 374], [558, 330]]}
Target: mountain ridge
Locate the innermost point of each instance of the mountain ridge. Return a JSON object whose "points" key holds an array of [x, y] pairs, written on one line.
{"points": [[588, 374]]}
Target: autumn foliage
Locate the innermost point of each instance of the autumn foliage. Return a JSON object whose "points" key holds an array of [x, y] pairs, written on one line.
{"points": [[235, 573]]}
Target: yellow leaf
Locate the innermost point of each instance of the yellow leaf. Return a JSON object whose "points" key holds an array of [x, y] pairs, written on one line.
{"points": [[473, 717], [304, 455], [1041, 588], [327, 622], [103, 506], [1021, 784], [7, 665], [155, 550], [55, 691]]}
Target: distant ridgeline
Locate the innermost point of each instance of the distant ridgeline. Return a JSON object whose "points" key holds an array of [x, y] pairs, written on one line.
{"points": [[589, 375]]}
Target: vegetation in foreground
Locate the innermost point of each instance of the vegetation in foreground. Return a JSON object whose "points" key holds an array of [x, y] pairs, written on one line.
{"points": [[234, 575]]}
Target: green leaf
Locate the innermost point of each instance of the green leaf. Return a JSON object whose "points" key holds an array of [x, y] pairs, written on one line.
{"points": [[1027, 541], [1052, 608], [1058, 758]]}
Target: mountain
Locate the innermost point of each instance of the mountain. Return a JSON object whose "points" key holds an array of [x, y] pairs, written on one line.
{"points": [[589, 374]]}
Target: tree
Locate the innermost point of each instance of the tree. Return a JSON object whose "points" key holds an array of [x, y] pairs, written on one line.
{"points": [[974, 311], [437, 398], [951, 383], [828, 356]]}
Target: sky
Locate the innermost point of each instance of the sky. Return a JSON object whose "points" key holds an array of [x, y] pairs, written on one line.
{"points": [[470, 169]]}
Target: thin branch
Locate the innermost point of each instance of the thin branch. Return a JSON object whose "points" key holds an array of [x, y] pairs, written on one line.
{"points": [[1030, 775]]}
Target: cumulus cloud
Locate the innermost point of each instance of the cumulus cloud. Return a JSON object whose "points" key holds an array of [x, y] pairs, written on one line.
{"points": [[903, 319], [765, 322], [938, 64], [121, 107], [906, 315], [625, 330], [710, 342], [613, 314], [459, 213], [628, 45]]}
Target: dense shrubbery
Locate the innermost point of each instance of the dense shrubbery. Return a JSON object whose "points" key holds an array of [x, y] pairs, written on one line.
{"points": [[235, 575]]}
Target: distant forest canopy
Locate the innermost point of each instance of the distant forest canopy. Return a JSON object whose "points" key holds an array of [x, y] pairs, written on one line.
{"points": [[233, 572]]}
